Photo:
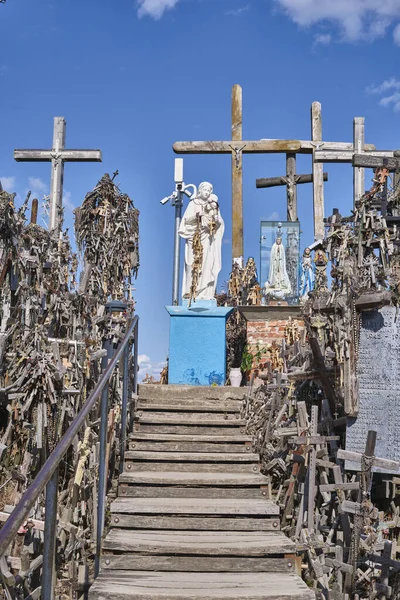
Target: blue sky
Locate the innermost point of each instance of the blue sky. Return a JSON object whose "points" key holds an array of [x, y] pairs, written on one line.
{"points": [[133, 77]]}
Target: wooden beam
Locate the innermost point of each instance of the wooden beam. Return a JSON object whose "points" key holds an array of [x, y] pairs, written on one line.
{"points": [[66, 155], [373, 162], [267, 182], [322, 156], [359, 173], [237, 175], [308, 146], [291, 187], [226, 147], [318, 169]]}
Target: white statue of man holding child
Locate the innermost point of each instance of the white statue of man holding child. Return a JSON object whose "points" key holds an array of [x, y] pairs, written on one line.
{"points": [[203, 211]]}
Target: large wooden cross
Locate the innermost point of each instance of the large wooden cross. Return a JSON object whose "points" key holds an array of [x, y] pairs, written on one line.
{"points": [[236, 147], [58, 155]]}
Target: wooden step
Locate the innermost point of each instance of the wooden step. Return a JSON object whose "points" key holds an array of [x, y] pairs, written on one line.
{"points": [[194, 479], [195, 564], [143, 585], [189, 418], [189, 392], [191, 428], [159, 491], [198, 467], [189, 447], [193, 457], [233, 406], [200, 543], [193, 523], [232, 438], [194, 506]]}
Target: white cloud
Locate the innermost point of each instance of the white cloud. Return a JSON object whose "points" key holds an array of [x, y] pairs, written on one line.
{"points": [[237, 12], [38, 185], [8, 183], [67, 203], [322, 38], [356, 19], [155, 8], [149, 367], [391, 100], [273, 217], [143, 358]]}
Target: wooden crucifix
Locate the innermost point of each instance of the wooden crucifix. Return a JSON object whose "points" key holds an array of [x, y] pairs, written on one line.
{"points": [[291, 181], [58, 155]]}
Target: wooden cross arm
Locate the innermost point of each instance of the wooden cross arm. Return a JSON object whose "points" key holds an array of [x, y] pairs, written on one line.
{"points": [[383, 463], [365, 160], [267, 182], [247, 147], [345, 156], [333, 487], [313, 439], [65, 155]]}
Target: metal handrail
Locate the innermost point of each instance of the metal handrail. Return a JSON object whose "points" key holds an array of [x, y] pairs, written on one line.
{"points": [[28, 499]]}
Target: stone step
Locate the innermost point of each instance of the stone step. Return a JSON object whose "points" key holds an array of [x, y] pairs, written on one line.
{"points": [[199, 543], [189, 392], [155, 491], [195, 564], [172, 478], [145, 585], [189, 418], [194, 506], [193, 523], [193, 457]]}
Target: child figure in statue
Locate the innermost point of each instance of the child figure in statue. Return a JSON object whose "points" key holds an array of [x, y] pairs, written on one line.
{"points": [[307, 274]]}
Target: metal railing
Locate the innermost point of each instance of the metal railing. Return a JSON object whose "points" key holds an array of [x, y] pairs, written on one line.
{"points": [[48, 475]]}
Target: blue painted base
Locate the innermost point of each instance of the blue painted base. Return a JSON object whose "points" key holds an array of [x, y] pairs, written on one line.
{"points": [[197, 345]]}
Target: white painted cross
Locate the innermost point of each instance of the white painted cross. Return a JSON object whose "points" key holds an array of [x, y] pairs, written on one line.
{"points": [[58, 155]]}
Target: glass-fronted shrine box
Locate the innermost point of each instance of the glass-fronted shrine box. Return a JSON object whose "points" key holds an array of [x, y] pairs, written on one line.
{"points": [[280, 260]]}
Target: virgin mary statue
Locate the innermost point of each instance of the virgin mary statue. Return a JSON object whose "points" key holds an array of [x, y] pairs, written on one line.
{"points": [[278, 284], [203, 211]]}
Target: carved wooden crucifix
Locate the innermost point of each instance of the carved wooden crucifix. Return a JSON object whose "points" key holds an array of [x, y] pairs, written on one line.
{"points": [[58, 155], [291, 181], [236, 147]]}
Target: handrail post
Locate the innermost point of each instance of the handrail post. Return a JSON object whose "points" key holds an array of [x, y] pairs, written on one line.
{"points": [[101, 496], [50, 538], [135, 357], [124, 407]]}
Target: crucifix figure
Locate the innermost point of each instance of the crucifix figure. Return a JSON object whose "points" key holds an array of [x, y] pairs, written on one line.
{"points": [[291, 180], [58, 155]]}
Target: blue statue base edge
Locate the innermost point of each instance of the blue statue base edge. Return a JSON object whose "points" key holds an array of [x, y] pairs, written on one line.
{"points": [[197, 345]]}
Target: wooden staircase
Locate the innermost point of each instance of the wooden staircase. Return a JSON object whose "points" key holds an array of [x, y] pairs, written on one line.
{"points": [[192, 519]]}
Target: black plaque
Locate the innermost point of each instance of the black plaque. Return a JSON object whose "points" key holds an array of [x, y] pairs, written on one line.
{"points": [[379, 387]]}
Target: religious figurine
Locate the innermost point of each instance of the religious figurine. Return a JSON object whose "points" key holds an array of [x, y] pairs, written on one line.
{"points": [[321, 279], [202, 217], [307, 274], [278, 285]]}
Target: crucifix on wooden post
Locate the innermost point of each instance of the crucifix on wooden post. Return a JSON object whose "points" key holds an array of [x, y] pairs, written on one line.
{"points": [[58, 155], [291, 181]]}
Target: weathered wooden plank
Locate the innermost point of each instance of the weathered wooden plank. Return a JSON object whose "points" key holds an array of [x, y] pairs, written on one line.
{"points": [[318, 173], [190, 418], [237, 174], [190, 447], [372, 161], [378, 462], [194, 506], [196, 523], [197, 564], [233, 437], [323, 156], [140, 491], [267, 182], [194, 467], [186, 393], [358, 173], [193, 479], [121, 585], [190, 457], [203, 543], [225, 147], [227, 429], [66, 155], [233, 406]]}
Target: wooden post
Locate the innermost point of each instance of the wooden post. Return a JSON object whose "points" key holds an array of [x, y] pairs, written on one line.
{"points": [[318, 172], [291, 188], [312, 470], [237, 176], [57, 174], [359, 172]]}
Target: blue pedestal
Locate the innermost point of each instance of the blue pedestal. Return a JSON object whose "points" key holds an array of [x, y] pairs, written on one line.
{"points": [[197, 344]]}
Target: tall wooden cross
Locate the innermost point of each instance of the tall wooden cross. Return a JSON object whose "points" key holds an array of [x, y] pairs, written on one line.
{"points": [[58, 155], [291, 181], [236, 147]]}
